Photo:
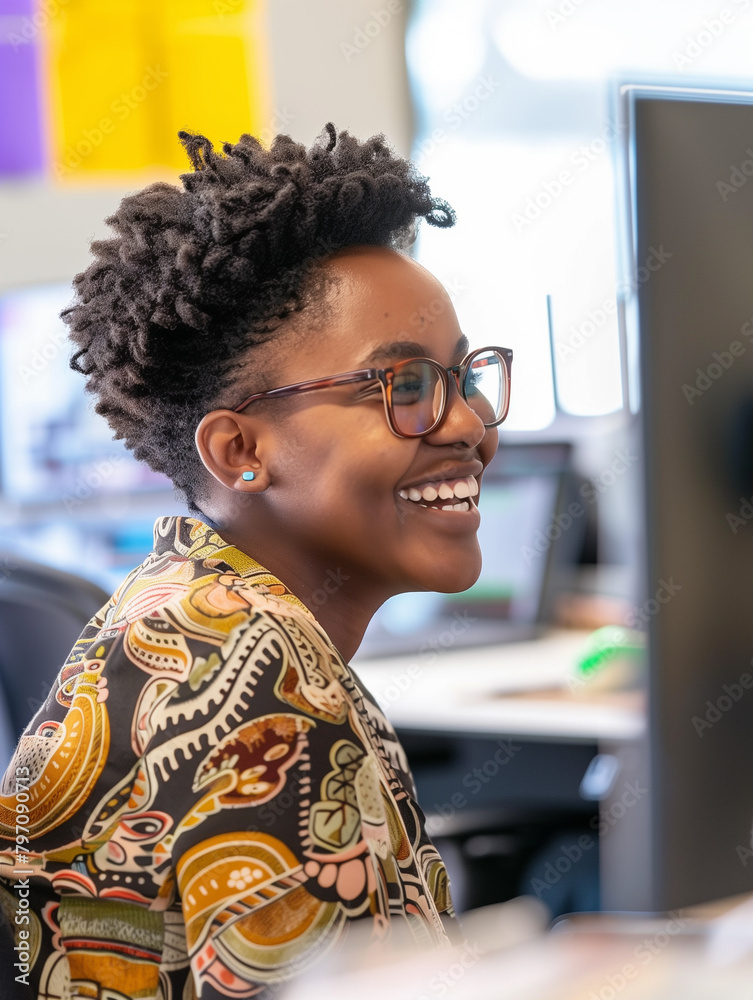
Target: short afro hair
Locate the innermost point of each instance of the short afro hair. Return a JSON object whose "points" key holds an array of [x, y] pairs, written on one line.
{"points": [[195, 275]]}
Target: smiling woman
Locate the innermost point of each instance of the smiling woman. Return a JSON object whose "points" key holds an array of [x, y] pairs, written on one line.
{"points": [[212, 795]]}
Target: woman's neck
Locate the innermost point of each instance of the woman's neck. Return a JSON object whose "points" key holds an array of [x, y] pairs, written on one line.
{"points": [[342, 605]]}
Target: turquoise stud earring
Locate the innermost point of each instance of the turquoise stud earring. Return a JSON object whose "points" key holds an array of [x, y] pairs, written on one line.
{"points": [[249, 476]]}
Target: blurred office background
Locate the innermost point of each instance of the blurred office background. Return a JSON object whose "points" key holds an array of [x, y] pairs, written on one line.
{"points": [[509, 106]]}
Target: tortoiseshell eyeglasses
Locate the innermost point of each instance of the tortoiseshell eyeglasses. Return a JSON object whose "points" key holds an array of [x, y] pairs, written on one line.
{"points": [[416, 391]]}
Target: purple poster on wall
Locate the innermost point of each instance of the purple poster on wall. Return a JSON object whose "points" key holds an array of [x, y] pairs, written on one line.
{"points": [[21, 149]]}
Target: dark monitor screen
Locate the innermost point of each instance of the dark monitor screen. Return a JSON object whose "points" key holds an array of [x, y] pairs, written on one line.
{"points": [[691, 200]]}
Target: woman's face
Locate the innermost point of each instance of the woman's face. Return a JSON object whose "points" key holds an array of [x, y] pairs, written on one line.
{"points": [[340, 482]]}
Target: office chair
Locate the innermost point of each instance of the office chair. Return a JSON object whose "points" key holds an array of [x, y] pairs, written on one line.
{"points": [[42, 613]]}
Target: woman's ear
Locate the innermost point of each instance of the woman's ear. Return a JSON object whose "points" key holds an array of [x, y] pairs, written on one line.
{"points": [[229, 446]]}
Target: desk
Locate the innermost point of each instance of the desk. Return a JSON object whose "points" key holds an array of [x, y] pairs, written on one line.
{"points": [[525, 689], [513, 706], [507, 956], [501, 736]]}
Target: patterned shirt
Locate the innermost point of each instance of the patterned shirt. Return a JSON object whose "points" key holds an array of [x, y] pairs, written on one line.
{"points": [[208, 782]]}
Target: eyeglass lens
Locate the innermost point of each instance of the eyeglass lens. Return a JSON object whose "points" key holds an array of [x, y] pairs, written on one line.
{"points": [[485, 386], [418, 392]]}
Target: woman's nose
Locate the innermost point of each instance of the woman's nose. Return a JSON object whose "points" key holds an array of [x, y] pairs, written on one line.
{"points": [[459, 423]]}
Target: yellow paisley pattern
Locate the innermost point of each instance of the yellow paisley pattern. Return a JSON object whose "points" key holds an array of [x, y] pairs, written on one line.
{"points": [[209, 793], [65, 765]]}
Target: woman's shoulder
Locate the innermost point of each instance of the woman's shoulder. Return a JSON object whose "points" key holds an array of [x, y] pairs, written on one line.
{"points": [[209, 622], [195, 583]]}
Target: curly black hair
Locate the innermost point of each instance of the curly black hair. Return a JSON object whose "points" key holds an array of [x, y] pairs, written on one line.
{"points": [[195, 275]]}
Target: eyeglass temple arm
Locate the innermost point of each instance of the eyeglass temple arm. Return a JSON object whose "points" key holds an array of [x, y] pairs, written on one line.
{"points": [[365, 375]]}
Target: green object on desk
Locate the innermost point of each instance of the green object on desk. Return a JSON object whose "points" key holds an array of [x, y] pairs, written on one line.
{"points": [[607, 644]]}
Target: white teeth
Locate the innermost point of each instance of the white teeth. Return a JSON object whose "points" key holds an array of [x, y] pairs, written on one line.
{"points": [[463, 506], [462, 489]]}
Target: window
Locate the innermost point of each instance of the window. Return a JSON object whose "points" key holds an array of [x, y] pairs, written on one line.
{"points": [[517, 129]]}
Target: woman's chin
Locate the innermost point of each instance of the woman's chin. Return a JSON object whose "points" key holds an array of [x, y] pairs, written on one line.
{"points": [[451, 578]]}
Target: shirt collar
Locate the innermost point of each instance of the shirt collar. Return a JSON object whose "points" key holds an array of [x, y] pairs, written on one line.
{"points": [[190, 538]]}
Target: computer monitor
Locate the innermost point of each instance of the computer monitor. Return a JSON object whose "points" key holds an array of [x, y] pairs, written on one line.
{"points": [[54, 448], [685, 835]]}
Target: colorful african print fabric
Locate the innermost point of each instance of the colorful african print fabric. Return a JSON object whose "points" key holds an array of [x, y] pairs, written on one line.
{"points": [[207, 783]]}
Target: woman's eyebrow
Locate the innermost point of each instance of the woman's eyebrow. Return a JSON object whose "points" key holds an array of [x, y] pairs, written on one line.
{"points": [[463, 346], [396, 351], [400, 349]]}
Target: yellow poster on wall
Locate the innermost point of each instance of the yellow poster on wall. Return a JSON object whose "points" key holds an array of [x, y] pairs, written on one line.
{"points": [[125, 77]]}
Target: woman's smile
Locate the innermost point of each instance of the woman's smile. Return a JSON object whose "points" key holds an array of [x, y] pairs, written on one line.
{"points": [[443, 494], [447, 504]]}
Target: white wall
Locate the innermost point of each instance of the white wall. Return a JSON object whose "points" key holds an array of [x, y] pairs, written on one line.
{"points": [[333, 61], [46, 230], [330, 61]]}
